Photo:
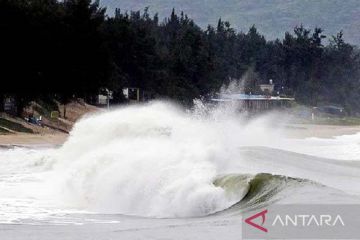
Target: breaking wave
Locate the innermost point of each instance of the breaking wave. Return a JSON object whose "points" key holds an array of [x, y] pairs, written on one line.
{"points": [[160, 161], [154, 160]]}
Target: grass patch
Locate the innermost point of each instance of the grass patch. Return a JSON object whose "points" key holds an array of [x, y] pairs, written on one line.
{"points": [[3, 131], [46, 107], [14, 126]]}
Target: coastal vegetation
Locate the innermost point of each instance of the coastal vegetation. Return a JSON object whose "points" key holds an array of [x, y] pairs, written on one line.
{"points": [[6, 125], [63, 50]]}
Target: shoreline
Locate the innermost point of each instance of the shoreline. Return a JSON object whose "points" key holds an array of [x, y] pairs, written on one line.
{"points": [[319, 131], [24, 139], [299, 131]]}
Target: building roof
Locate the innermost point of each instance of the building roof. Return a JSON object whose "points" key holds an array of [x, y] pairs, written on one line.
{"points": [[242, 97]]}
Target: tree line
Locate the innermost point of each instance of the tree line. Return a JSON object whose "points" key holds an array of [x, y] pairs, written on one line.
{"points": [[69, 49]]}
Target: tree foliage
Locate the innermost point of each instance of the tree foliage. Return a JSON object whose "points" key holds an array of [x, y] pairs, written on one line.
{"points": [[66, 49]]}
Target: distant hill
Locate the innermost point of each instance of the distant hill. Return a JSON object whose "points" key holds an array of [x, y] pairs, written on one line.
{"points": [[271, 17]]}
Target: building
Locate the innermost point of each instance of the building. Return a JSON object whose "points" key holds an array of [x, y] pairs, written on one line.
{"points": [[103, 99], [137, 95], [254, 103], [10, 105], [267, 88], [132, 94]]}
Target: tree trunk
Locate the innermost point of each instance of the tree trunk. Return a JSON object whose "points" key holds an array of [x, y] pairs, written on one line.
{"points": [[2, 102], [64, 111], [19, 108]]}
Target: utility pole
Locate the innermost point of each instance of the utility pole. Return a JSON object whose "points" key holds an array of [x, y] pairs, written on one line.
{"points": [[108, 98]]}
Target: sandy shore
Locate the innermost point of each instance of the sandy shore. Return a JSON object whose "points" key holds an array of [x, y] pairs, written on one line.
{"points": [[291, 130], [319, 131], [33, 139]]}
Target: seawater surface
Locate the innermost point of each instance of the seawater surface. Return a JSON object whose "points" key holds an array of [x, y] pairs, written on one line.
{"points": [[156, 171]]}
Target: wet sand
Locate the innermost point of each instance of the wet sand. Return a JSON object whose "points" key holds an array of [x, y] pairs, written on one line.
{"points": [[23, 139], [319, 131], [290, 130]]}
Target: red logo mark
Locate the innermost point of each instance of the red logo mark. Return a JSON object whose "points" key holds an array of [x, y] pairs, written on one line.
{"points": [[260, 214]]}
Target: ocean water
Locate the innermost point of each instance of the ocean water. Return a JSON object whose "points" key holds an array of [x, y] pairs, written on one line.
{"points": [[157, 171]]}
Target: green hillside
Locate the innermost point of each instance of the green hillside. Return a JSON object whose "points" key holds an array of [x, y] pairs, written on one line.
{"points": [[271, 17]]}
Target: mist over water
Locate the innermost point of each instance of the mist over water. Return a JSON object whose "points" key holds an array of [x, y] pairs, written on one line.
{"points": [[158, 160]]}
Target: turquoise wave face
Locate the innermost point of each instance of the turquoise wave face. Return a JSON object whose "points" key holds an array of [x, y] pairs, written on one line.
{"points": [[258, 191]]}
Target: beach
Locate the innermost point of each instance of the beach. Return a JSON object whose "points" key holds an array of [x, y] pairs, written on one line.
{"points": [[290, 130], [319, 131], [23, 139], [153, 172]]}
